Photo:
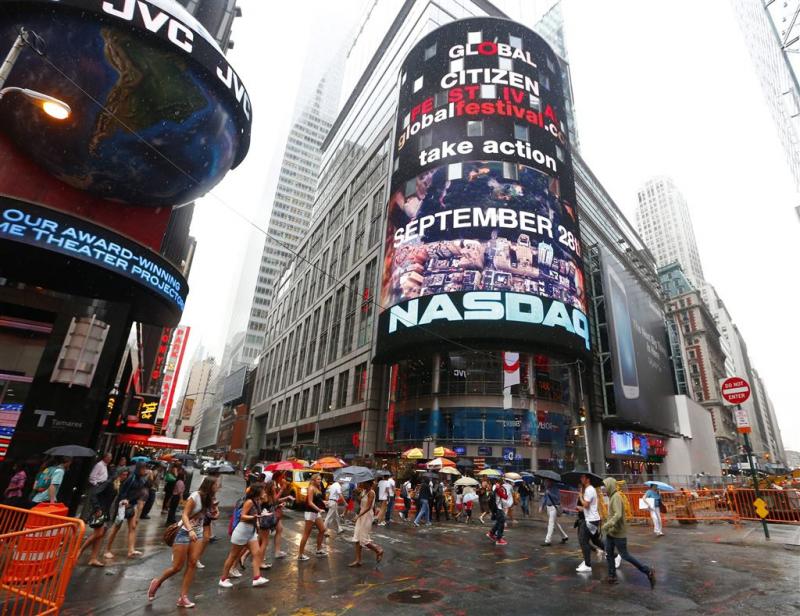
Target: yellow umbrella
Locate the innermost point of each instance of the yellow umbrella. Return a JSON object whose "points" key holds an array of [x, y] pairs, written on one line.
{"points": [[490, 472], [449, 470], [414, 454], [444, 452]]}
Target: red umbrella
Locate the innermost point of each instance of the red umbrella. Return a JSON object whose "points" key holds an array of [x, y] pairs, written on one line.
{"points": [[286, 465]]}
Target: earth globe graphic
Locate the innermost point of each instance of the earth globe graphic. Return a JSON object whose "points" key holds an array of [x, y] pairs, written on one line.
{"points": [[149, 125]]}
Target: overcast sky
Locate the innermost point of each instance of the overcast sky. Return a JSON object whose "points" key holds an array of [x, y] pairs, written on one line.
{"points": [[661, 88]]}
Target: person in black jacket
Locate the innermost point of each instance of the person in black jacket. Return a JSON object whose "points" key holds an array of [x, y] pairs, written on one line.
{"points": [[101, 498], [127, 508]]}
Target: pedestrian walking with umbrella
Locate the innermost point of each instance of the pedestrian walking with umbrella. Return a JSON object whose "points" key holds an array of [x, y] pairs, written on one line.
{"points": [[551, 503], [653, 500], [363, 528], [616, 535]]}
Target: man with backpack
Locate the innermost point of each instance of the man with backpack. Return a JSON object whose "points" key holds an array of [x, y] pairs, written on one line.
{"points": [[48, 482], [503, 501]]}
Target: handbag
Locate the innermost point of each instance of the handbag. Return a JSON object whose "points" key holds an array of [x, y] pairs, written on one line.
{"points": [[267, 521], [170, 532], [97, 520], [662, 507]]}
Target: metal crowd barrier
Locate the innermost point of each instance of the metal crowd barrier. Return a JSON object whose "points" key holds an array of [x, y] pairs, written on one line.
{"points": [[38, 552], [783, 506]]}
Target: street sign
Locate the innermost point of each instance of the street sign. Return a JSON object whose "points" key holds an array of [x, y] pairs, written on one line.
{"points": [[761, 508], [187, 428], [734, 390], [742, 420]]}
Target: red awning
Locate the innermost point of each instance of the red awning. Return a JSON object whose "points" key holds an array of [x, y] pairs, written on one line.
{"points": [[157, 442]]}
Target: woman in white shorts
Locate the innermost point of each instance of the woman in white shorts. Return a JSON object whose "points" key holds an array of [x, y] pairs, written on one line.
{"points": [[314, 506], [245, 537]]}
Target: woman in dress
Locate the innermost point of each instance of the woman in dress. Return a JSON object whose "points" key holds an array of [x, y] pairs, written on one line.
{"points": [[361, 534]]}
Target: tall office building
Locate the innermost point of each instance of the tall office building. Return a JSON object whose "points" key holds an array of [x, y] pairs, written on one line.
{"points": [[196, 395], [771, 31], [663, 222], [294, 198]]}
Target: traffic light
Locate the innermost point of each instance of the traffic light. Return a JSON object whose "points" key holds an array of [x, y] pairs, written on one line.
{"points": [[582, 414]]}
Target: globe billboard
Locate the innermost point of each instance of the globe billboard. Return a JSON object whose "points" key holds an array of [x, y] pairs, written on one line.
{"points": [[482, 241]]}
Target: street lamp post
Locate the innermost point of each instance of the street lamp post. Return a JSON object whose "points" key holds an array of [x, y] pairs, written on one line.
{"points": [[52, 106]]}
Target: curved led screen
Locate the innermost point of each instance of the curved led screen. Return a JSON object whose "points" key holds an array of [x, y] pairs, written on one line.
{"points": [[158, 115], [482, 242]]}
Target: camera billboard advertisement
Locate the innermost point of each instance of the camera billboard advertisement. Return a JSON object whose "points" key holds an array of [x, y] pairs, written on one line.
{"points": [[482, 241], [640, 362]]}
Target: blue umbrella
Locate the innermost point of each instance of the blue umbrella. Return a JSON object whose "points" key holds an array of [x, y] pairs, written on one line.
{"points": [[660, 485], [140, 459]]}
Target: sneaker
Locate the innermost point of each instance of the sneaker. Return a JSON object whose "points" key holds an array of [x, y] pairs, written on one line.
{"points": [[226, 583], [152, 589], [260, 581], [582, 568], [381, 523], [320, 553], [564, 539], [302, 557], [652, 577], [184, 602], [659, 534], [611, 579], [546, 544], [491, 536], [501, 541], [234, 572], [618, 561], [281, 554], [416, 523], [200, 565], [266, 565]]}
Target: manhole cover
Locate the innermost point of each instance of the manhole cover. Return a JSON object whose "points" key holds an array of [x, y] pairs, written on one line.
{"points": [[415, 596]]}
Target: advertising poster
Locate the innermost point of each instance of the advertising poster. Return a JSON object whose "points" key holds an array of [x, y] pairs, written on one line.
{"points": [[482, 240], [640, 357]]}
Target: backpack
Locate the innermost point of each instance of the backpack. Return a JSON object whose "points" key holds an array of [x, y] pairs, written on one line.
{"points": [[43, 480], [236, 516], [501, 492]]}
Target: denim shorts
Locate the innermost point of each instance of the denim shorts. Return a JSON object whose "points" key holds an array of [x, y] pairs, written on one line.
{"points": [[182, 537]]}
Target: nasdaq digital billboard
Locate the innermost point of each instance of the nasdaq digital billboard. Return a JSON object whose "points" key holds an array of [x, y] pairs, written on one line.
{"points": [[482, 241]]}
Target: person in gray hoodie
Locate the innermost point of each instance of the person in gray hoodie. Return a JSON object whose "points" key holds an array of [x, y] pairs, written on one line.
{"points": [[614, 528]]}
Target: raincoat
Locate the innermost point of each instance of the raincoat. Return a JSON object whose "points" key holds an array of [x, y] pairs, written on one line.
{"points": [[615, 521]]}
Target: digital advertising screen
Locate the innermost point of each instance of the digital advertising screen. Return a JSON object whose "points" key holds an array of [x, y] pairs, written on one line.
{"points": [[640, 363], [627, 444], [482, 241]]}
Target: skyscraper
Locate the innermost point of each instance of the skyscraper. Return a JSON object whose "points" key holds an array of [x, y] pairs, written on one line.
{"points": [[770, 31], [663, 221], [294, 197]]}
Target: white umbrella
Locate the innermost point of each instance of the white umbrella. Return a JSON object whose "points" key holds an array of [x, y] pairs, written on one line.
{"points": [[467, 481], [448, 470], [468, 498]]}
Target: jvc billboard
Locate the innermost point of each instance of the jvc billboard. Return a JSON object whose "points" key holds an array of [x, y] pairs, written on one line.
{"points": [[482, 241], [640, 359]]}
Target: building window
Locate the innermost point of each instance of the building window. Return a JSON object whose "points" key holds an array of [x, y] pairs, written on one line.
{"points": [[515, 41], [474, 128], [505, 64], [454, 171], [440, 99], [430, 52], [510, 171], [473, 38], [314, 408], [327, 396], [367, 304], [360, 383], [341, 392], [350, 314], [457, 65], [520, 132], [418, 83]]}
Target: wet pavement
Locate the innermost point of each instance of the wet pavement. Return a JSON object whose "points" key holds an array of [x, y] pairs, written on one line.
{"points": [[452, 570]]}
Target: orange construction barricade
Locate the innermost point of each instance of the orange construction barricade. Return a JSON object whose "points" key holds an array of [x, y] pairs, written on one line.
{"points": [[38, 551]]}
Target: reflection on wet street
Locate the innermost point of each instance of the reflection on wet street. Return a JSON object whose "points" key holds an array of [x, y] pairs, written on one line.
{"points": [[452, 569]]}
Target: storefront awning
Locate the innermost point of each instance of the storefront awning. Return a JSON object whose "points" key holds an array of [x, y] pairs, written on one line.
{"points": [[157, 442]]}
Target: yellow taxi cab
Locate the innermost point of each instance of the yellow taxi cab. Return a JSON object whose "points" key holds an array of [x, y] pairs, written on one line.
{"points": [[300, 479]]}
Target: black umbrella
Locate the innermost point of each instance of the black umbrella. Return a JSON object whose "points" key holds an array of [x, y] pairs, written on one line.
{"points": [[429, 475], [183, 457], [545, 474], [573, 478], [383, 474], [71, 451], [465, 463], [353, 474]]}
